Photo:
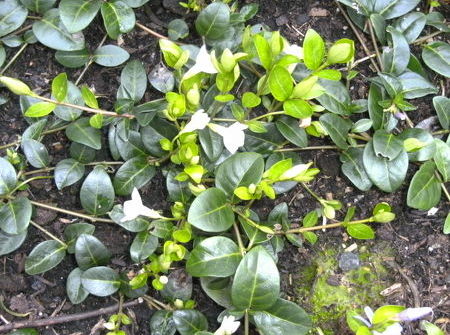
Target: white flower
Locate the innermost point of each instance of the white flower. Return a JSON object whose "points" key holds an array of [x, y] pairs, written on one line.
{"points": [[294, 50], [163, 280], [203, 64], [199, 120], [294, 171], [394, 329], [411, 314], [134, 207], [233, 136], [304, 123], [228, 326]]}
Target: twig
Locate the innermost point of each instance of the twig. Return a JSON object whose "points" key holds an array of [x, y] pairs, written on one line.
{"points": [[46, 232], [239, 239], [319, 147], [13, 59], [152, 32], [66, 318], [50, 131], [89, 63], [411, 284], [49, 169], [374, 43], [360, 39], [425, 38]]}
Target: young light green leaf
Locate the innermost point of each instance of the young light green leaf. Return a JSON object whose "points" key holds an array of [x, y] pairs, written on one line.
{"points": [[77, 14], [250, 100], [216, 256], [75, 291], [59, 86], [424, 190], [313, 50], [97, 192], [256, 284], [110, 55], [45, 256], [263, 50], [447, 224], [40, 109], [300, 109], [89, 97], [280, 83], [15, 215], [360, 231], [100, 281]]}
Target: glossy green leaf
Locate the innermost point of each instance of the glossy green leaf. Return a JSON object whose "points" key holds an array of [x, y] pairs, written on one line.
{"points": [[424, 190], [284, 317], [411, 25], [74, 230], [241, 169], [161, 323], [2, 55], [313, 49], [89, 97], [442, 159], [423, 136], [256, 284], [289, 128], [144, 245], [387, 145], [337, 128], [360, 231], [387, 175], [177, 29], [436, 56], [59, 86], [38, 6], [211, 142], [81, 132], [110, 55], [297, 108], [415, 86], [100, 281], [353, 168], [15, 215], [162, 79], [263, 50], [51, 32], [97, 192], [118, 18], [133, 80], [379, 26], [178, 190], [73, 59], [82, 153], [216, 256], [68, 172], [442, 106], [213, 21], [90, 252], [280, 83], [437, 20], [394, 8], [250, 100], [45, 256], [9, 243], [12, 16], [218, 289], [189, 321], [335, 97], [40, 109], [77, 14], [36, 153], [8, 177], [136, 172], [75, 291], [211, 212], [396, 58]]}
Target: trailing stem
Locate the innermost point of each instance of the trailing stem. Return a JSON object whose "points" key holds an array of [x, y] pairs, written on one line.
{"points": [[13, 59], [46, 232]]}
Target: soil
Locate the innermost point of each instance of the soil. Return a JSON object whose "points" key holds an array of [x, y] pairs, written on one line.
{"points": [[421, 248]]}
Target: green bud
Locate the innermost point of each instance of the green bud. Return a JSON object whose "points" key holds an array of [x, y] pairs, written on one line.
{"points": [[178, 303], [166, 144], [329, 212], [227, 60], [384, 217], [341, 51], [16, 86], [157, 285]]}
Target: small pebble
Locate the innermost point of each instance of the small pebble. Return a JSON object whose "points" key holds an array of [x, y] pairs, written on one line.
{"points": [[348, 261]]}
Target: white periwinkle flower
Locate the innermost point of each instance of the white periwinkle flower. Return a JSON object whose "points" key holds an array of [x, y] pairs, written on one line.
{"points": [[228, 326], [233, 136], [163, 280], [294, 50], [134, 208], [203, 63], [411, 314], [198, 121]]}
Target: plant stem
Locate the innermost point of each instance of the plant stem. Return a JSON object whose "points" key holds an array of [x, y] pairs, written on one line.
{"points": [[46, 232], [358, 35], [319, 147], [152, 32], [89, 63], [27, 181], [246, 324], [157, 302], [444, 189], [267, 115], [49, 169], [84, 108], [68, 212], [8, 145], [441, 132], [359, 137], [374, 43], [239, 239], [331, 225], [13, 59], [319, 199], [425, 38]]}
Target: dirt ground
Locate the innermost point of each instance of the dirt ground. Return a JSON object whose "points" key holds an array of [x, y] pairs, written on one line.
{"points": [[421, 250]]}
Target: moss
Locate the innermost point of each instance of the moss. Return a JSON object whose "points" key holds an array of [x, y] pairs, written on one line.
{"points": [[328, 294]]}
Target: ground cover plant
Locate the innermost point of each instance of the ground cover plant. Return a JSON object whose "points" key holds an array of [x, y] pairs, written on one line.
{"points": [[222, 130]]}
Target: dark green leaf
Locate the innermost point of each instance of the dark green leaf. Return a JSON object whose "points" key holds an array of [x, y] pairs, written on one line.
{"points": [[436, 56], [442, 159], [396, 58], [136, 172], [177, 29], [335, 97], [72, 59], [12, 15], [216, 256], [256, 284], [411, 25], [437, 20], [157, 129], [38, 6], [8, 177], [97, 192], [161, 323], [353, 168], [82, 153], [337, 128], [77, 14], [100, 281], [45, 256], [289, 128], [73, 97], [442, 106], [218, 289], [162, 79], [118, 18], [74, 230], [15, 215], [133, 80], [387, 145], [189, 321], [424, 190], [36, 153], [9, 243], [75, 291], [178, 190], [394, 8], [110, 55], [68, 172], [211, 142], [81, 132], [415, 86], [144, 245], [90, 252], [379, 26], [213, 21]]}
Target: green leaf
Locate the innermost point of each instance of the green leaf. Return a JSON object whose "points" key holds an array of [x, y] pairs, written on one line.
{"points": [[335, 97], [2, 55], [424, 137], [40, 109], [329, 74], [136, 172], [216, 256], [415, 86], [12, 16], [442, 106], [353, 168], [68, 172], [162, 79], [143, 246], [78, 14], [74, 230], [89, 97], [45, 256], [241, 169], [189, 321], [74, 97], [411, 25], [280, 83], [51, 32], [211, 212], [96, 121], [256, 284], [90, 252], [213, 21], [387, 175], [137, 225], [15, 215], [313, 50], [9, 243], [38, 6], [250, 100], [161, 323], [59, 86], [436, 56], [424, 190], [24, 331], [177, 29], [379, 26], [337, 128], [263, 50], [110, 55], [446, 229], [81, 132], [437, 20], [82, 153], [284, 317], [118, 18], [289, 128], [8, 177], [442, 159], [211, 142], [360, 231], [178, 190], [396, 58], [387, 145], [100, 281], [395, 8], [297, 108], [73, 59], [133, 80], [218, 289], [36, 153], [362, 125], [75, 291], [430, 328], [97, 192]]}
